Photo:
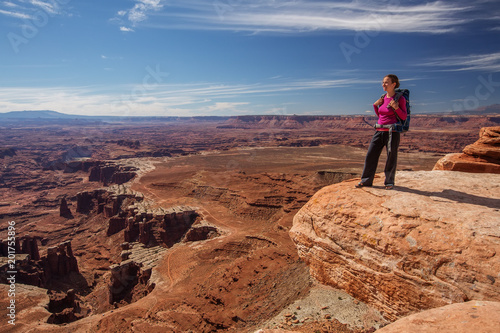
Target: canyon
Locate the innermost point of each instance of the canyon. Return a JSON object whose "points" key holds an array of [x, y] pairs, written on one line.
{"points": [[185, 224]]}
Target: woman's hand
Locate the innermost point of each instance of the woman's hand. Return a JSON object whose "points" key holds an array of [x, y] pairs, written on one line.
{"points": [[394, 105], [379, 102]]}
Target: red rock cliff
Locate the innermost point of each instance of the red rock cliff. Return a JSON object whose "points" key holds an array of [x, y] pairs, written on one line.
{"points": [[432, 241]]}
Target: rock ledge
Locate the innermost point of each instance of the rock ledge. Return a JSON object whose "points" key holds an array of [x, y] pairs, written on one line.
{"points": [[431, 242]]}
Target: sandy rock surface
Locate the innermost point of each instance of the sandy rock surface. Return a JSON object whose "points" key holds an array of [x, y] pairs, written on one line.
{"points": [[324, 302], [431, 241], [473, 316], [29, 307]]}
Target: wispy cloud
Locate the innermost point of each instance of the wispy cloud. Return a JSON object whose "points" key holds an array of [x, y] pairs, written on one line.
{"points": [[139, 12], [28, 9], [105, 57], [163, 99], [126, 29], [222, 107], [19, 15], [489, 62], [51, 8], [306, 16]]}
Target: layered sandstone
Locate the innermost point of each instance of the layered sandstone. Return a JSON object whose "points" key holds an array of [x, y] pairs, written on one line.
{"points": [[111, 173], [430, 242], [140, 219], [483, 156]]}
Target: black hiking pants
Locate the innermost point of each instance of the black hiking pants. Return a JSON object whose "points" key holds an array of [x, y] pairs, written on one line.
{"points": [[379, 141]]}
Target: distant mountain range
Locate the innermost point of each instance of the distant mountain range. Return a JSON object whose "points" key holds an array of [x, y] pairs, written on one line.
{"points": [[490, 109], [36, 114], [51, 116]]}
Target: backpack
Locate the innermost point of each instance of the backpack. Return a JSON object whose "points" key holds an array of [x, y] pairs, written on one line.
{"points": [[403, 125]]}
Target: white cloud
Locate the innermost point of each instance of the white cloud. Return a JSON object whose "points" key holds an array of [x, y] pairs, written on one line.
{"points": [[138, 13], [29, 9], [141, 10], [50, 8], [300, 16], [18, 15], [126, 29], [306, 16], [113, 58], [489, 62], [161, 99], [223, 107]]}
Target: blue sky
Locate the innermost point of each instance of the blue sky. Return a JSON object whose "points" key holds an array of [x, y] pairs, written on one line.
{"points": [[238, 57]]}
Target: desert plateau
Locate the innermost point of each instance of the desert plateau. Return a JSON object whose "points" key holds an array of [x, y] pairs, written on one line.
{"points": [[247, 224]]}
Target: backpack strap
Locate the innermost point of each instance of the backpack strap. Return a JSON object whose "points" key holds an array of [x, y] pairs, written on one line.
{"points": [[396, 98]]}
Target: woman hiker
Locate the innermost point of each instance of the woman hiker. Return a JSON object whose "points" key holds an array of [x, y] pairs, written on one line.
{"points": [[386, 109]]}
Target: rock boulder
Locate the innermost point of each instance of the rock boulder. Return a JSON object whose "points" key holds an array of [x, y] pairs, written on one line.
{"points": [[432, 241], [483, 156]]}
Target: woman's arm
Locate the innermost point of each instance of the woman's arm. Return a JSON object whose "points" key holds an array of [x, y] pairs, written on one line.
{"points": [[401, 111], [377, 104]]}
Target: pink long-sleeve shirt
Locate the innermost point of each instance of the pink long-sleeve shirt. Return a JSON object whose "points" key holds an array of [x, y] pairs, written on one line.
{"points": [[386, 114]]}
